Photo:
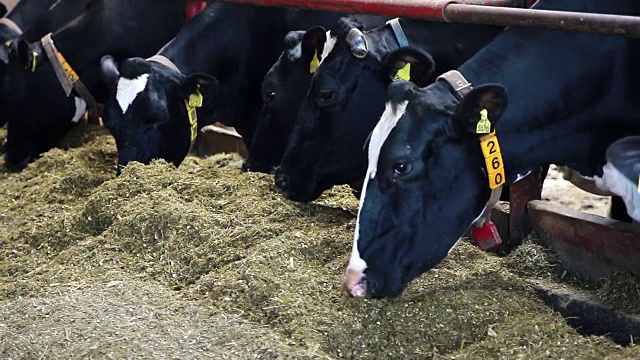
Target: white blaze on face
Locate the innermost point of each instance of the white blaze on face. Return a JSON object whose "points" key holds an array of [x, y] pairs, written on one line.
{"points": [[614, 181], [128, 90], [81, 107], [389, 119], [328, 46]]}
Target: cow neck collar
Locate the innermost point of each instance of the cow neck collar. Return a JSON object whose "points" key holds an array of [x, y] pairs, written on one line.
{"points": [[192, 114], [11, 25], [67, 77], [461, 87], [161, 59], [457, 82], [401, 38]]}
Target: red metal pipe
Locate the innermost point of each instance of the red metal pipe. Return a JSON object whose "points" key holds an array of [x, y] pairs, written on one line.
{"points": [[492, 12], [419, 9]]}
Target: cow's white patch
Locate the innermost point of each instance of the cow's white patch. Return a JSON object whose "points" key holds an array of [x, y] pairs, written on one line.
{"points": [[389, 119], [614, 181], [329, 44], [585, 183], [81, 108], [295, 53], [128, 90]]}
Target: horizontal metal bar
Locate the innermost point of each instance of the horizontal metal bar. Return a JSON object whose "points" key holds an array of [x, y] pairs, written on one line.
{"points": [[418, 9], [490, 12], [560, 20]]}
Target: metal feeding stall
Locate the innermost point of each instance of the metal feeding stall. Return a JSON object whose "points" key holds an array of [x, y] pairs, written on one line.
{"points": [[589, 243]]}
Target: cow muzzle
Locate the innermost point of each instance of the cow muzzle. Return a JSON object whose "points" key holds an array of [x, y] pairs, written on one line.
{"points": [[355, 282]]}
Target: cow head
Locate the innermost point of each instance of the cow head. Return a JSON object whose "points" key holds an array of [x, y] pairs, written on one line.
{"points": [[344, 102], [283, 90], [425, 185], [38, 111], [147, 112]]}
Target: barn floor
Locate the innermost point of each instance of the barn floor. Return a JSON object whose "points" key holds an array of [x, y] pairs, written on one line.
{"points": [[206, 262]]}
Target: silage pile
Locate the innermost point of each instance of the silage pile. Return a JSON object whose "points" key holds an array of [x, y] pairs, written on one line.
{"points": [[206, 261]]}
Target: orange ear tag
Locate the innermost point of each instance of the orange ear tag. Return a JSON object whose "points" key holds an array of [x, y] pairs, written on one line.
{"points": [[493, 160]]}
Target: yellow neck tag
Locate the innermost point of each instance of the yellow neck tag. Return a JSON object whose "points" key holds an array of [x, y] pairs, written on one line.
{"points": [[484, 125], [68, 70], [193, 120], [195, 99], [493, 160], [34, 61], [404, 73], [315, 63]]}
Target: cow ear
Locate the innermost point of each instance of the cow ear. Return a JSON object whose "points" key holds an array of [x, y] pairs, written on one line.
{"points": [[109, 71], [401, 91], [480, 110], [312, 47], [410, 63], [206, 84]]}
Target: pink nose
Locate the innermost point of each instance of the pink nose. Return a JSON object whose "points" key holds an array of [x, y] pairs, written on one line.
{"points": [[355, 283]]}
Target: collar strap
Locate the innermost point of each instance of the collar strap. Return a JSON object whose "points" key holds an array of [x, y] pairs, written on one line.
{"points": [[488, 143], [11, 25], [458, 83], [67, 77], [398, 32], [161, 59]]}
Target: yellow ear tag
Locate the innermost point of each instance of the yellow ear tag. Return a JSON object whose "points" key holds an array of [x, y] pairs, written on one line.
{"points": [[493, 160], [315, 63], [638, 183], [33, 63], [484, 125], [193, 119], [404, 73], [195, 99]]}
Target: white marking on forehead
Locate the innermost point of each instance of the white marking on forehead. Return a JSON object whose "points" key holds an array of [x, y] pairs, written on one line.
{"points": [[128, 90], [392, 113], [328, 46], [81, 107]]}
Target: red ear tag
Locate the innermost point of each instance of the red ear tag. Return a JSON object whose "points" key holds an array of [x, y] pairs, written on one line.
{"points": [[487, 236]]}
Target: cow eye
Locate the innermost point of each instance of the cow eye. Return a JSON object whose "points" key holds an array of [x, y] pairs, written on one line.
{"points": [[270, 96], [401, 168]]}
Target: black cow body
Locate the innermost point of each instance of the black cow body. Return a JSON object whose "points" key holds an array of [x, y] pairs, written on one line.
{"points": [[35, 18], [38, 111], [235, 43], [346, 99], [427, 180], [285, 87]]}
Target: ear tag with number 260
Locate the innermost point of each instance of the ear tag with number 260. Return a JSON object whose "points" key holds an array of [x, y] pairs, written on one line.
{"points": [[493, 160]]}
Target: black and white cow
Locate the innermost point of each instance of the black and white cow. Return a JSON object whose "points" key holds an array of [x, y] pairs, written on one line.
{"points": [[347, 93], [235, 43], [32, 19], [284, 88], [38, 111], [428, 180], [621, 173]]}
